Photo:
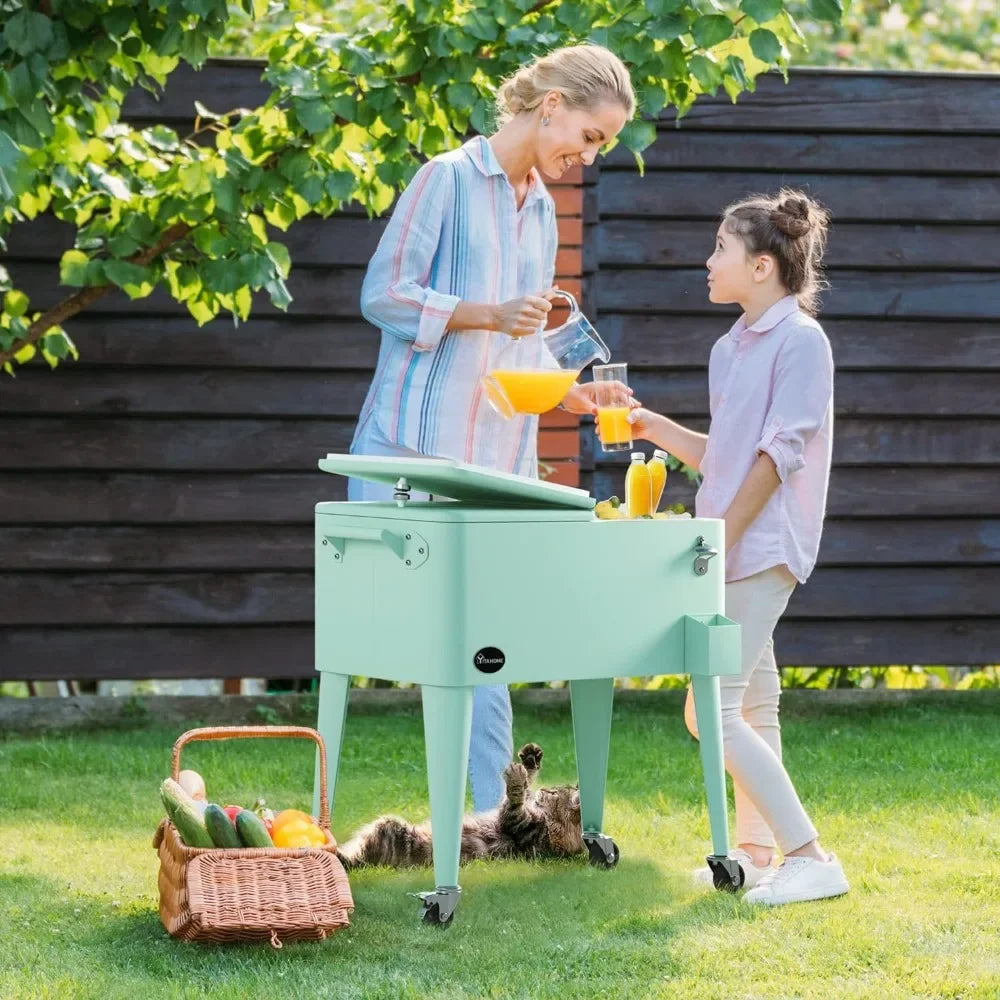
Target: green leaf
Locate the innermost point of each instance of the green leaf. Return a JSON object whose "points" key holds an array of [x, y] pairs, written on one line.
{"points": [[710, 29], [28, 31], [73, 268], [15, 302], [278, 254], [637, 135], [652, 98], [314, 116], [762, 10], [279, 294], [765, 45], [122, 273], [827, 10], [462, 95], [707, 72]]}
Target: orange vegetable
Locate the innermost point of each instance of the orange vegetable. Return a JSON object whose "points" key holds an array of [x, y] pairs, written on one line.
{"points": [[292, 828]]}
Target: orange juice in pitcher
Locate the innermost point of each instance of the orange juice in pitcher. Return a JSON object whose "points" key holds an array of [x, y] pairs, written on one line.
{"points": [[534, 391]]}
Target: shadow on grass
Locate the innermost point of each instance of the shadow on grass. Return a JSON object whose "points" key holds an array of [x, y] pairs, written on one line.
{"points": [[516, 921]]}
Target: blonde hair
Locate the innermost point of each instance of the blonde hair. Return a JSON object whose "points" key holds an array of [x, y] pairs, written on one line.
{"points": [[586, 76], [791, 228]]}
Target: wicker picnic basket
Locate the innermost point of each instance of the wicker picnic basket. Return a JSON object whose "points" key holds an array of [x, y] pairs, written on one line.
{"points": [[252, 894]]}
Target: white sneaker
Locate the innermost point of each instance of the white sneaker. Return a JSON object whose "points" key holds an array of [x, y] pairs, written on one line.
{"points": [[751, 873], [798, 880]]}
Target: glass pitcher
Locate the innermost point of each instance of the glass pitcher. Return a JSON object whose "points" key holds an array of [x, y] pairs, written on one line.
{"points": [[533, 374]]}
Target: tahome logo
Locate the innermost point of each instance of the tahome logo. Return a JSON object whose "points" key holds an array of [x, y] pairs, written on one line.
{"points": [[489, 660]]}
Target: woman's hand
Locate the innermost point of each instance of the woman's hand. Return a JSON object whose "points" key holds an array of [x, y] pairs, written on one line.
{"points": [[524, 316], [582, 398]]}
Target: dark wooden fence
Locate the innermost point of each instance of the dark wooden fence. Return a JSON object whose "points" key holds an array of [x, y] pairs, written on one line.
{"points": [[156, 497]]}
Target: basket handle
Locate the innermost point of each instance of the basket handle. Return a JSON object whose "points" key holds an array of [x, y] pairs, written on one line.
{"points": [[259, 732]]}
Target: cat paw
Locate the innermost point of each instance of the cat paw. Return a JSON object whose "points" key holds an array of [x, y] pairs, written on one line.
{"points": [[531, 756], [515, 777]]}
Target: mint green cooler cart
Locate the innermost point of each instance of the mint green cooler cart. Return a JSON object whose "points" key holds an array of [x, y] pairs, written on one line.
{"points": [[501, 584]]}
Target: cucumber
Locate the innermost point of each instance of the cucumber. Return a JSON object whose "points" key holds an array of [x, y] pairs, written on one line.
{"points": [[252, 831], [220, 827], [185, 815]]}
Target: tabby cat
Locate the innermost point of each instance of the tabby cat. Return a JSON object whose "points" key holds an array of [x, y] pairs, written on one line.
{"points": [[544, 823]]}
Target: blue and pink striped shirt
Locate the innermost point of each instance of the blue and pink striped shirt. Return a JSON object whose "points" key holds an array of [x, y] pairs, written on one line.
{"points": [[455, 234]]}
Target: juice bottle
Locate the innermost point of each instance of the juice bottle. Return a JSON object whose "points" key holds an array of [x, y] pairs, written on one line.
{"points": [[657, 466], [637, 494]]}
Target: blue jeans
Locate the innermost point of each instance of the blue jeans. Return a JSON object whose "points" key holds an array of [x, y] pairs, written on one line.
{"points": [[491, 745]]}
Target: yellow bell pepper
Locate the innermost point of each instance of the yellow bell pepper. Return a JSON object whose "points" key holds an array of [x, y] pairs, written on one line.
{"points": [[292, 828]]}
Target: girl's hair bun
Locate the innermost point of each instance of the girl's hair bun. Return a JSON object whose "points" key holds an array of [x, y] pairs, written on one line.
{"points": [[794, 216]]}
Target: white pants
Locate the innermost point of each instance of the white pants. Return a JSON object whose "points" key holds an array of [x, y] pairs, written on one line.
{"points": [[768, 811]]}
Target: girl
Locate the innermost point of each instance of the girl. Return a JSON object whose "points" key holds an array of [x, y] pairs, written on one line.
{"points": [[468, 256], [766, 466]]}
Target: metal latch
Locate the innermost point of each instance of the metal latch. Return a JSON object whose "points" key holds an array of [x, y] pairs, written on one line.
{"points": [[705, 552], [409, 547]]}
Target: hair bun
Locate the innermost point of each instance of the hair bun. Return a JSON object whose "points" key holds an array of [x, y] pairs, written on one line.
{"points": [[794, 216]]}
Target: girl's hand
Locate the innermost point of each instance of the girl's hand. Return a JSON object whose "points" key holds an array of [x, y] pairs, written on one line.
{"points": [[522, 317], [643, 422], [582, 398]]}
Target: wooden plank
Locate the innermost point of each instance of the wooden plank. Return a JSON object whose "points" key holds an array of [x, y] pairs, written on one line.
{"points": [[339, 241], [684, 392], [688, 148], [685, 341], [105, 339], [287, 651], [559, 443], [816, 100], [685, 243], [862, 492], [161, 547], [263, 598], [565, 472], [875, 294], [53, 599], [316, 292], [49, 497], [171, 547], [891, 592], [918, 542], [857, 642], [860, 101], [113, 653], [294, 444], [158, 391], [703, 194]]}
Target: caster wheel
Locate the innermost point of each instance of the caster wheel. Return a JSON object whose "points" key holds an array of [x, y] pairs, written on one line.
{"points": [[727, 875], [604, 855], [432, 915]]}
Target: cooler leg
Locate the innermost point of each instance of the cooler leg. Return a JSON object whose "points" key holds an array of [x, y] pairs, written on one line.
{"points": [[333, 692], [592, 702], [709, 717], [447, 724]]}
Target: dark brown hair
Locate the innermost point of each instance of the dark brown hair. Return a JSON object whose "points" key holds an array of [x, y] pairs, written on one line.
{"points": [[791, 228]]}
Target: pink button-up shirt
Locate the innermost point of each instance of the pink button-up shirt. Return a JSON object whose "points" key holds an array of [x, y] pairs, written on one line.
{"points": [[771, 390]]}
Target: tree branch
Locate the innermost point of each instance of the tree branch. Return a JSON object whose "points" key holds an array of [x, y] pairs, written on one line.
{"points": [[57, 315]]}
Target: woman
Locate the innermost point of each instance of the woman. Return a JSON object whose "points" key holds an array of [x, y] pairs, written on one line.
{"points": [[466, 263]]}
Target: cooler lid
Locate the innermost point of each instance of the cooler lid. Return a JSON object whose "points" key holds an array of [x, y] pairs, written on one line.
{"points": [[446, 477]]}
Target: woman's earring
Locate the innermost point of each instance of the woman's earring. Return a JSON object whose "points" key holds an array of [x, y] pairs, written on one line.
{"points": [[545, 119]]}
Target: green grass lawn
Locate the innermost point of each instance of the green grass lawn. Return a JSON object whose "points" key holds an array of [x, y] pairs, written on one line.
{"points": [[908, 796]]}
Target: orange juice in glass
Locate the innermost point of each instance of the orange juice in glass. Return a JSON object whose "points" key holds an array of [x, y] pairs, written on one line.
{"points": [[613, 406]]}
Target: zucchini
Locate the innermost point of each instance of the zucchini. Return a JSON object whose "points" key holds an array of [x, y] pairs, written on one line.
{"points": [[185, 815], [252, 831], [220, 827]]}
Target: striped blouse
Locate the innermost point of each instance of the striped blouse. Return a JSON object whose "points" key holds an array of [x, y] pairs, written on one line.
{"points": [[455, 234]]}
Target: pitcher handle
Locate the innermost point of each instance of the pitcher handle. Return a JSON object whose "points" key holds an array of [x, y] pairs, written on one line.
{"points": [[573, 306]]}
